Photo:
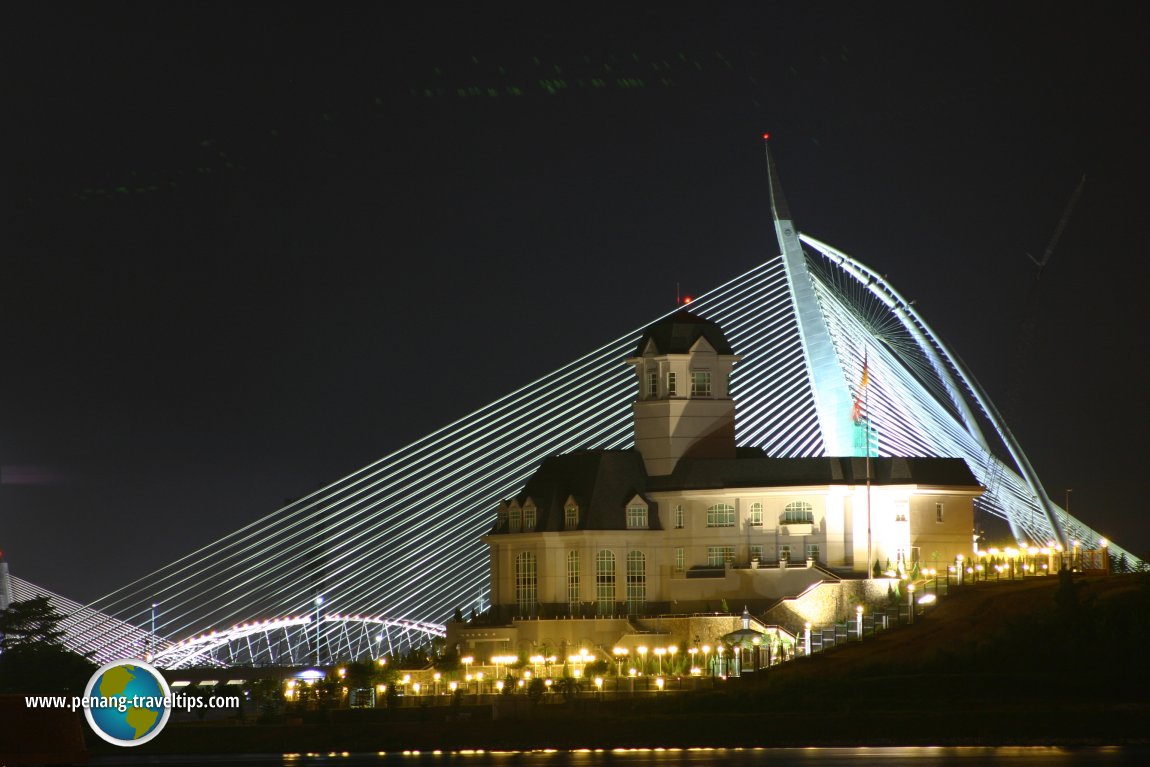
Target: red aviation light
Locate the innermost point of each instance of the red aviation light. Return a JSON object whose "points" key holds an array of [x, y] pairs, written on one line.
{"points": [[766, 136], [687, 299]]}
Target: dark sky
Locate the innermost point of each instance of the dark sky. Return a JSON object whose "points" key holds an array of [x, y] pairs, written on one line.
{"points": [[250, 248]]}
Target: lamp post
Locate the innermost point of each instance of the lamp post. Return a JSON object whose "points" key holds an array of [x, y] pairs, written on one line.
{"points": [[910, 602], [707, 658], [858, 621], [807, 638], [671, 651], [318, 602], [642, 650], [659, 653]]}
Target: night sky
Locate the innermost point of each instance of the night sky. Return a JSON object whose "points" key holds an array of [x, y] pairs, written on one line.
{"points": [[250, 248]]}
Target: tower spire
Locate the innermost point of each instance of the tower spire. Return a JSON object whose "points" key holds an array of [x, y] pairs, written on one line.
{"points": [[778, 201], [828, 382]]}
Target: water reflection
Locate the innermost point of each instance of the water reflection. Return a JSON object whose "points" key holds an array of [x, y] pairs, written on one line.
{"points": [[719, 757]]}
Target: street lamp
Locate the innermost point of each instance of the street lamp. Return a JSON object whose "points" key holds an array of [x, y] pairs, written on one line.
{"points": [[671, 651], [807, 638], [910, 602], [858, 621], [659, 653], [318, 602], [642, 649]]}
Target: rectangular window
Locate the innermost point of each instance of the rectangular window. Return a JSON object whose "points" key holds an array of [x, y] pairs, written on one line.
{"points": [[756, 518], [700, 383], [718, 556], [636, 517], [652, 383], [680, 560], [757, 553], [516, 520], [528, 520], [721, 515], [679, 517], [573, 581], [813, 551], [938, 512], [605, 582], [571, 517], [672, 385], [900, 511], [785, 552]]}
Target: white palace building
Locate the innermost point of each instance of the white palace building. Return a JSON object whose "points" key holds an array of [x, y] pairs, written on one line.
{"points": [[686, 522]]}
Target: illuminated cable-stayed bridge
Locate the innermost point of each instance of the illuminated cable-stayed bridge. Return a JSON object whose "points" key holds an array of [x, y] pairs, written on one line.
{"points": [[388, 553]]}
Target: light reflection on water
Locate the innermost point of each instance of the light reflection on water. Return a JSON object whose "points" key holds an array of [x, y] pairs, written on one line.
{"points": [[903, 756]]}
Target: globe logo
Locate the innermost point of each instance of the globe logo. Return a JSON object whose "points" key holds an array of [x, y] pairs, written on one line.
{"points": [[127, 702]]}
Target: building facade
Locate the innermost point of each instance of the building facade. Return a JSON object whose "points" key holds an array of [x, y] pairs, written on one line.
{"points": [[687, 522]]}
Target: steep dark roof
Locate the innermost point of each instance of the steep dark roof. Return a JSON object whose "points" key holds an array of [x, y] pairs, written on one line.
{"points": [[700, 474], [600, 481], [677, 333], [603, 481]]}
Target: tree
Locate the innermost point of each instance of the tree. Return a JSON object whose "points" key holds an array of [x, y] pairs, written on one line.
{"points": [[33, 622], [32, 657]]}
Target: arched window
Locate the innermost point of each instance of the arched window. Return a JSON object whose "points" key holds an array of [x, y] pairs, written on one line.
{"points": [[605, 582], [636, 582], [573, 581], [526, 583], [721, 515], [798, 513]]}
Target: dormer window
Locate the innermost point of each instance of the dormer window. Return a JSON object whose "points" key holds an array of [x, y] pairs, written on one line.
{"points": [[700, 383], [515, 515], [501, 517], [637, 518], [571, 517], [529, 519]]}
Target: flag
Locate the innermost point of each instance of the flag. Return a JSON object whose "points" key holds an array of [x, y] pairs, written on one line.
{"points": [[857, 410]]}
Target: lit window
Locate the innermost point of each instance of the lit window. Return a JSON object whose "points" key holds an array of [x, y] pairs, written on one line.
{"points": [[721, 515], [526, 582], [516, 519], [636, 517], [938, 512], [680, 560], [652, 383], [700, 383], [573, 581], [756, 515], [571, 517], [718, 556], [679, 517], [605, 582], [798, 513], [672, 385], [529, 519], [636, 582]]}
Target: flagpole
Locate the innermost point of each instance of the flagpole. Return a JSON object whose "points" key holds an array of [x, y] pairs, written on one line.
{"points": [[866, 437]]}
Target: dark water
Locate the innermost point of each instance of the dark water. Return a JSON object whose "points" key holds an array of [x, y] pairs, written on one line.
{"points": [[807, 757]]}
